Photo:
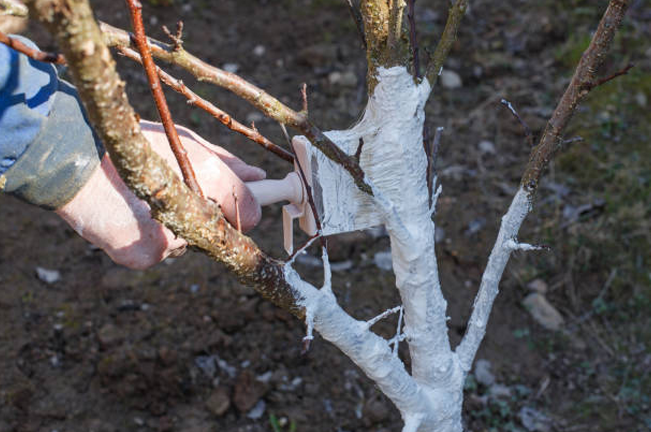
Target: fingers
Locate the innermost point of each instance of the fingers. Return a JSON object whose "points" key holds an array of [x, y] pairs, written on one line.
{"points": [[223, 186], [220, 174], [189, 138]]}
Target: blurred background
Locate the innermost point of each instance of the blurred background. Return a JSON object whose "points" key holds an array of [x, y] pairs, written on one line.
{"points": [[86, 345]]}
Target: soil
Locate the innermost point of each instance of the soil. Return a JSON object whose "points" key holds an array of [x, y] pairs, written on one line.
{"points": [[184, 347]]}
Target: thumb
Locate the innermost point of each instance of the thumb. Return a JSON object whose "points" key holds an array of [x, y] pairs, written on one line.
{"points": [[222, 185]]}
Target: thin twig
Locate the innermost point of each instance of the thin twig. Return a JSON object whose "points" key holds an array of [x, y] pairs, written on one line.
{"points": [[527, 130], [572, 140], [177, 38], [194, 99], [620, 72], [14, 8], [304, 97], [457, 11], [30, 52], [359, 23], [413, 37], [135, 9], [358, 152], [257, 97]]}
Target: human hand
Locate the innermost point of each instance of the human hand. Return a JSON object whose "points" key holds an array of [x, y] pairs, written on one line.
{"points": [[106, 213]]}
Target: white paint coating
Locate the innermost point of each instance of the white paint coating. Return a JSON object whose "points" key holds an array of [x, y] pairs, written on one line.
{"points": [[430, 399]]}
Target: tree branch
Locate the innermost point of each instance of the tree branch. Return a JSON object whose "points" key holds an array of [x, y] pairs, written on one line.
{"points": [[582, 82], [260, 99], [449, 36], [196, 100], [521, 205], [413, 37], [135, 9], [357, 17], [30, 52], [198, 221]]}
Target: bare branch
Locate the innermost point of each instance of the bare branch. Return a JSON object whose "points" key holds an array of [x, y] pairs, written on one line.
{"points": [[228, 121], [304, 97], [582, 82], [620, 72], [260, 99], [14, 8], [396, 8], [521, 205], [177, 38], [198, 221], [527, 130], [135, 9], [449, 36], [357, 17], [30, 52], [413, 37]]}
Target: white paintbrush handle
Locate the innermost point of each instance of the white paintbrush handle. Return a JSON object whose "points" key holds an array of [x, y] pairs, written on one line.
{"points": [[272, 191]]}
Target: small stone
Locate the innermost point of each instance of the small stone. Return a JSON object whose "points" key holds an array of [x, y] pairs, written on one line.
{"points": [[318, 55], [538, 285], [308, 260], [48, 276], [254, 117], [341, 266], [641, 99], [257, 411], [109, 335], [248, 391], [219, 401], [231, 67], [500, 391], [543, 312], [344, 79], [534, 421], [383, 260], [376, 409], [259, 50], [486, 147], [450, 79], [483, 373], [440, 234]]}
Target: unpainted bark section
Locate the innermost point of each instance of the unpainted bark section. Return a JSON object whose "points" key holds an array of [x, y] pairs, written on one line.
{"points": [[582, 82]]}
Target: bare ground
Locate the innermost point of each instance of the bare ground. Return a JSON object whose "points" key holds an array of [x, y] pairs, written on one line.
{"points": [[184, 347]]}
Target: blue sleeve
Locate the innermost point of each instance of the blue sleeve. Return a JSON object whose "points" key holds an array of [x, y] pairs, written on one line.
{"points": [[48, 149], [27, 87]]}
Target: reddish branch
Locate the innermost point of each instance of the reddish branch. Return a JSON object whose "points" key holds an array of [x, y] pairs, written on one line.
{"points": [[257, 97], [197, 220], [621, 72], [583, 80], [135, 9], [31, 52], [223, 117]]}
